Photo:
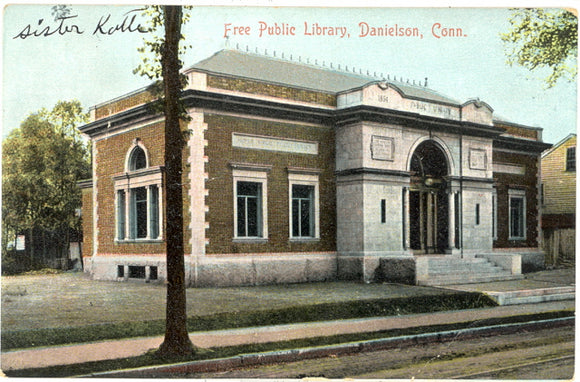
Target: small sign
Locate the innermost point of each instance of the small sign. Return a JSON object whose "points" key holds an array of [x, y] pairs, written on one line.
{"points": [[20, 243]]}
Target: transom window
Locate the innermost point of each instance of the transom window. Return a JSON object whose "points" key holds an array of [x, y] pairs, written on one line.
{"points": [[138, 159], [138, 192]]}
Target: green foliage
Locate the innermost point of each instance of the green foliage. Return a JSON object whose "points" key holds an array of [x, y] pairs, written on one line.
{"points": [[152, 52], [41, 164], [544, 38]]}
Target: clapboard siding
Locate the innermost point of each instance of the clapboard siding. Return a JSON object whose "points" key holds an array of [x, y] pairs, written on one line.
{"points": [[559, 184]]}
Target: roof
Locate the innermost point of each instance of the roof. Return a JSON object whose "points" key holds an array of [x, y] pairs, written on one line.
{"points": [[554, 147], [297, 74]]}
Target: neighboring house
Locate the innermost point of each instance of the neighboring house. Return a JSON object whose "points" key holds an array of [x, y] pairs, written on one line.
{"points": [[559, 202], [295, 172]]}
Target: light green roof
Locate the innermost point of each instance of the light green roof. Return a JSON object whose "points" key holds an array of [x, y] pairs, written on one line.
{"points": [[297, 74]]}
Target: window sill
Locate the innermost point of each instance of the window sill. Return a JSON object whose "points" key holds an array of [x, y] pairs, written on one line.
{"points": [[304, 239], [250, 240], [139, 241]]}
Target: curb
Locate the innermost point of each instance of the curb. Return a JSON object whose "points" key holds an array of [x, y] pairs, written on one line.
{"points": [[254, 359]]}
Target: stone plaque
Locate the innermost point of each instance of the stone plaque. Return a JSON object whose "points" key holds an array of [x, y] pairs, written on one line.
{"points": [[382, 148], [477, 159], [257, 142]]}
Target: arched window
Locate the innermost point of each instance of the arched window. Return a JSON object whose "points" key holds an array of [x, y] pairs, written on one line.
{"points": [[138, 211], [138, 159]]}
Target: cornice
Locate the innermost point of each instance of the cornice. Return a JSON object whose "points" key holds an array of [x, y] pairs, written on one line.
{"points": [[311, 114], [506, 143]]}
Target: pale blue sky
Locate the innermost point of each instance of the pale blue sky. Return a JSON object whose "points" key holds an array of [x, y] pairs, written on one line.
{"points": [[39, 71]]}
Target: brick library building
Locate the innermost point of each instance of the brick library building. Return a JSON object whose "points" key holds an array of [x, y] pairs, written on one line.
{"points": [[295, 172]]}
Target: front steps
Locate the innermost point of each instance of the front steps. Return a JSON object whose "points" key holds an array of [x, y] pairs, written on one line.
{"points": [[446, 270]]}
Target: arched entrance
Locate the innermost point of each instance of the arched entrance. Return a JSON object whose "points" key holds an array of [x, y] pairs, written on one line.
{"points": [[428, 199]]}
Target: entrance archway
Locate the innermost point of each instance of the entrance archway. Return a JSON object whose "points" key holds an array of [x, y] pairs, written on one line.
{"points": [[428, 199]]}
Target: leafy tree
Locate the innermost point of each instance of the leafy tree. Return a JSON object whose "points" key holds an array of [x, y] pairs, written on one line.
{"points": [[41, 164], [165, 69], [544, 38]]}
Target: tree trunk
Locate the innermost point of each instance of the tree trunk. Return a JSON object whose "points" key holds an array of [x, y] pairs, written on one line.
{"points": [[176, 340]]}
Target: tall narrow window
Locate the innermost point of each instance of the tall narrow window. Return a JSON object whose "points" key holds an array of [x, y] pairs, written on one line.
{"points": [[139, 212], [517, 216], [571, 159], [304, 204], [477, 214], [154, 212], [384, 211], [121, 215], [249, 219], [302, 210], [494, 214]]}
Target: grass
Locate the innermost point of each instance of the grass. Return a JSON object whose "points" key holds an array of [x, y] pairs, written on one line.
{"points": [[302, 313], [150, 359]]}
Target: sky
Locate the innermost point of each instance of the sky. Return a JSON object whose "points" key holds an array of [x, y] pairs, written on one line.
{"points": [[95, 66]]}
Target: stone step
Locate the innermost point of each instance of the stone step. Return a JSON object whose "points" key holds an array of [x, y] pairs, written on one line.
{"points": [[466, 271], [533, 296], [452, 268], [455, 279]]}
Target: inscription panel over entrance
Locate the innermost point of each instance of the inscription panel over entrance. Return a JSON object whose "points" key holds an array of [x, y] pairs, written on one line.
{"points": [[382, 148]]}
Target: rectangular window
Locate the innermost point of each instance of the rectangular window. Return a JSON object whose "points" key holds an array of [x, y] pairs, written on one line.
{"points": [[153, 273], [136, 272], [517, 217], [139, 212], [249, 213], [153, 212], [494, 215], [302, 211], [383, 211], [120, 215], [477, 214], [571, 159]]}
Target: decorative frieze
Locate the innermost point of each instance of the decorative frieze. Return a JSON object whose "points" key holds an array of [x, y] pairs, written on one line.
{"points": [[257, 142]]}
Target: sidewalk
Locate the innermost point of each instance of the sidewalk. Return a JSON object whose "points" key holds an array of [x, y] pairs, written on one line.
{"points": [[98, 351]]}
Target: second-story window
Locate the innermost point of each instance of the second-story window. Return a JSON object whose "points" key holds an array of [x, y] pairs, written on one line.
{"points": [[571, 159]]}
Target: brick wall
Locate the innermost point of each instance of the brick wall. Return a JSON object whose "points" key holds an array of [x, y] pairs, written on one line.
{"points": [[110, 161], [124, 103], [87, 202], [255, 87], [220, 184], [518, 131], [503, 183]]}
